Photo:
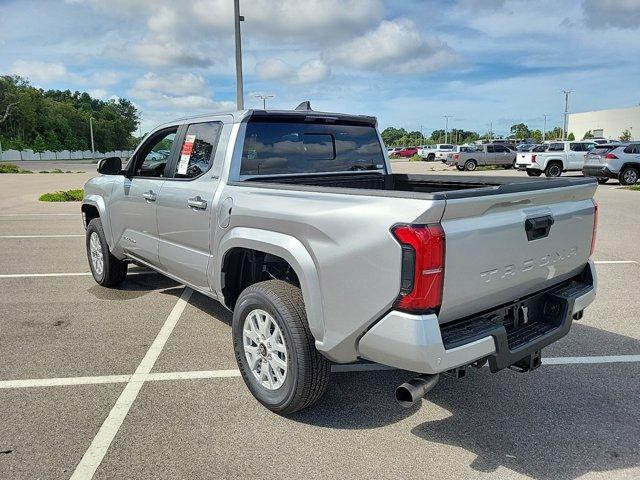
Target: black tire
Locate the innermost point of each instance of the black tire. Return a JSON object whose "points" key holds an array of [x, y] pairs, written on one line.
{"points": [[602, 180], [431, 157], [460, 168], [308, 371], [114, 270], [507, 167], [534, 173], [628, 176], [554, 169], [470, 165]]}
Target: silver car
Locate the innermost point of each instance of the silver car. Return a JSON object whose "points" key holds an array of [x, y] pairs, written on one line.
{"points": [[621, 161]]}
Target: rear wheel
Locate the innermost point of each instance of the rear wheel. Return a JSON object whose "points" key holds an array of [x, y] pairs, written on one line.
{"points": [[275, 349], [554, 169], [534, 173], [460, 167], [470, 165], [628, 176], [602, 180], [106, 269]]}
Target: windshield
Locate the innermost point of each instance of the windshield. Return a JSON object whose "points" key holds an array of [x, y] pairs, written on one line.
{"points": [[273, 148]]}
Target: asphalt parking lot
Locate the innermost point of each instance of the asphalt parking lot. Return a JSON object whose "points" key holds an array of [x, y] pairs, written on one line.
{"points": [[141, 382]]}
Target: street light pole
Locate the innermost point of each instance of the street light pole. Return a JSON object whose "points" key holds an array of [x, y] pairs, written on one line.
{"points": [[239, 86], [446, 128], [93, 148], [263, 97], [544, 128], [566, 112]]}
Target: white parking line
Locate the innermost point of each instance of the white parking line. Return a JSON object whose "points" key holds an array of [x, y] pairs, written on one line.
{"points": [[101, 442], [40, 215], [71, 274], [41, 236], [615, 262], [206, 374]]}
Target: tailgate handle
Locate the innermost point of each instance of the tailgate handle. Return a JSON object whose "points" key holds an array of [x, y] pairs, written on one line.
{"points": [[538, 227]]}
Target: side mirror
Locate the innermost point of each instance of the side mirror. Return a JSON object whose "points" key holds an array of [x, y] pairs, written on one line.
{"points": [[110, 166]]}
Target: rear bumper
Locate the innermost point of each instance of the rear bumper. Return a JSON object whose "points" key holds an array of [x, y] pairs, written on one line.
{"points": [[600, 171], [418, 343]]}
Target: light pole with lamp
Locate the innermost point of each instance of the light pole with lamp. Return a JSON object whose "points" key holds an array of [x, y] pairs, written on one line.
{"points": [[93, 148], [263, 97]]}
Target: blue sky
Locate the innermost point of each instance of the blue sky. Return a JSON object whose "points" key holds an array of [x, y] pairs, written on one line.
{"points": [[407, 62]]}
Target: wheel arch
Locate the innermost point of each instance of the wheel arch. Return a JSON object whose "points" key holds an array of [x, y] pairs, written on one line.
{"points": [[93, 206], [288, 248]]}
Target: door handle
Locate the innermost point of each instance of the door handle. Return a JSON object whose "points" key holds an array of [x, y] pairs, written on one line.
{"points": [[197, 202], [149, 196]]}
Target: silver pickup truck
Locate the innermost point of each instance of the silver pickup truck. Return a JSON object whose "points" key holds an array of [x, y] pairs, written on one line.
{"points": [[294, 221], [472, 157]]}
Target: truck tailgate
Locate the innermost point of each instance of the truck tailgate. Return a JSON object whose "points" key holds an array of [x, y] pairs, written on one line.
{"points": [[497, 250]]}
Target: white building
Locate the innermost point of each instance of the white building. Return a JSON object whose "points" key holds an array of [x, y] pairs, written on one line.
{"points": [[608, 124]]}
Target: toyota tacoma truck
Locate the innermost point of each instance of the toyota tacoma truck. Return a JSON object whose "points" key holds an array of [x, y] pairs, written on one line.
{"points": [[480, 155], [558, 157], [295, 222]]}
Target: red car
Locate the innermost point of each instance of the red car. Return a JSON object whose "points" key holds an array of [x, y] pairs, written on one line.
{"points": [[406, 152]]}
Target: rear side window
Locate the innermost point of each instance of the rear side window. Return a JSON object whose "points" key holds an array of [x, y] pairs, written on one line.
{"points": [[198, 149], [540, 148], [556, 147], [277, 148], [633, 148], [602, 150], [446, 147]]}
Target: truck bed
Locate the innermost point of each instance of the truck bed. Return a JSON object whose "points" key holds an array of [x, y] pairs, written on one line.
{"points": [[435, 186]]}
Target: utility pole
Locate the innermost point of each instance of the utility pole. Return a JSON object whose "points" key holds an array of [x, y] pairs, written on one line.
{"points": [[544, 128], [446, 128], [490, 131], [263, 97], [93, 148], [566, 112], [239, 87]]}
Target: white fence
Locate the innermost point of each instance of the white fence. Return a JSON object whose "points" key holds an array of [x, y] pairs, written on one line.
{"points": [[18, 155]]}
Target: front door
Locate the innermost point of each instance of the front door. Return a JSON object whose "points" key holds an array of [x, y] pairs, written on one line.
{"points": [[503, 156], [186, 207], [134, 198]]}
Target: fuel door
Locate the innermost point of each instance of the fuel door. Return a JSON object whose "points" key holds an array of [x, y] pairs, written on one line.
{"points": [[224, 212]]}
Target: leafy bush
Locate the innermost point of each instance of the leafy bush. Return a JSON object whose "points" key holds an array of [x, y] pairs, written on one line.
{"points": [[635, 188], [12, 168], [63, 196]]}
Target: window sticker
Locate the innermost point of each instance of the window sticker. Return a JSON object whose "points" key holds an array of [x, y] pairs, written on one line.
{"points": [[185, 154]]}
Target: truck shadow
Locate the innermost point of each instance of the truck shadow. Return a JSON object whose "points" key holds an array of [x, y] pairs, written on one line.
{"points": [[558, 422]]}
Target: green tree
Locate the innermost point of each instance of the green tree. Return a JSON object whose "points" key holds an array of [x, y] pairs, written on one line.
{"points": [[587, 135], [520, 131], [571, 137], [393, 136], [626, 135], [39, 145]]}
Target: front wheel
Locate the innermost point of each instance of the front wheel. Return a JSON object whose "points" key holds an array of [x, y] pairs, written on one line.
{"points": [[275, 350], [431, 157], [602, 180], [106, 269], [628, 176]]}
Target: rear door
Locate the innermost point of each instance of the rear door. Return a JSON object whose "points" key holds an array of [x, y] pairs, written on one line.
{"points": [[576, 154], [186, 204], [494, 257]]}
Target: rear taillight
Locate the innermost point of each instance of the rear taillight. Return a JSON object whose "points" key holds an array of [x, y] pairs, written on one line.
{"points": [[456, 156], [422, 274], [595, 227], [533, 158], [610, 156]]}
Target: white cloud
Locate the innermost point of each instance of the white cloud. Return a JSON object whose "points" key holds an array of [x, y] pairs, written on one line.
{"points": [[309, 72], [165, 54], [313, 71], [105, 79], [614, 13], [186, 91], [98, 93], [42, 72], [395, 46]]}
